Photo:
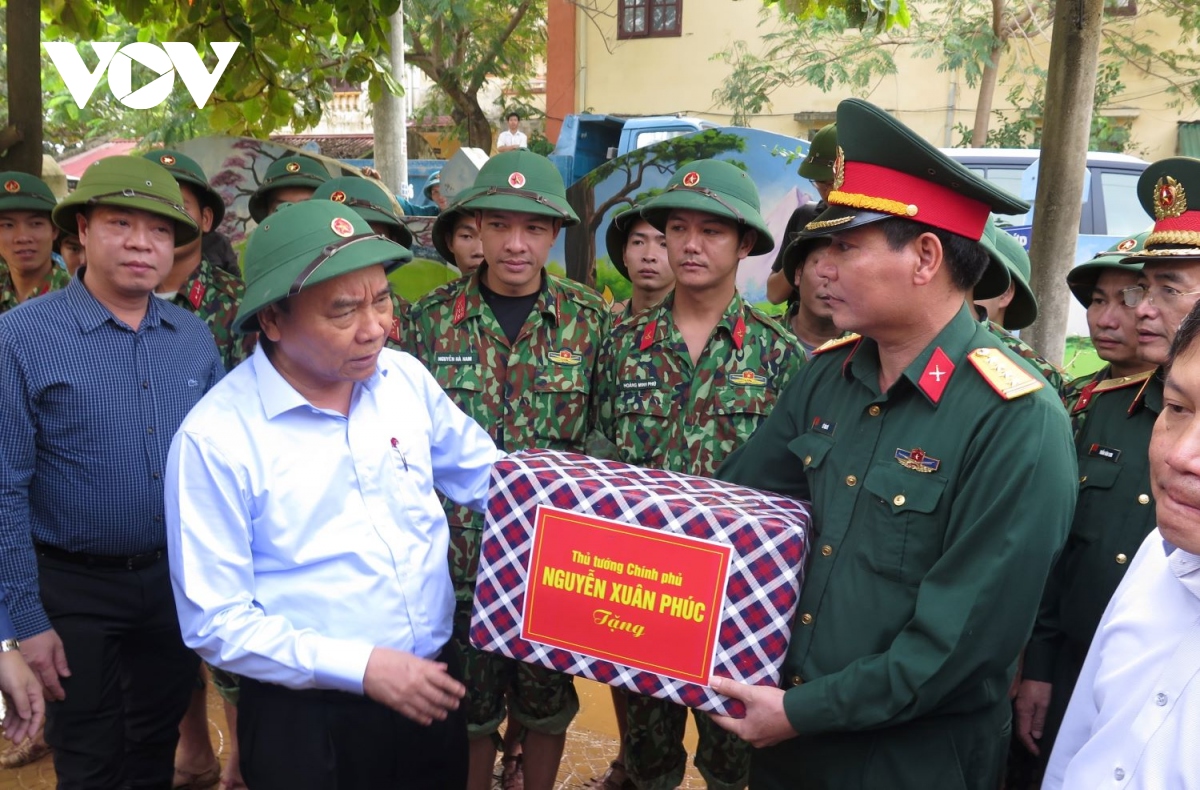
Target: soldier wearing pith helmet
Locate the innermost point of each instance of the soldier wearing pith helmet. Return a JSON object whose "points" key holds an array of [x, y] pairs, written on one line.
{"points": [[935, 522], [288, 180], [83, 542], [705, 351], [638, 251], [371, 203], [26, 240], [515, 347]]}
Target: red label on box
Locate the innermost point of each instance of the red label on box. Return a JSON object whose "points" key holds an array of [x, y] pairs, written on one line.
{"points": [[634, 596]]}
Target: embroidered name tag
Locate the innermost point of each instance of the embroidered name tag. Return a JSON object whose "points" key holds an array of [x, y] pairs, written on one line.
{"points": [[823, 426], [639, 385], [1100, 451], [457, 358]]}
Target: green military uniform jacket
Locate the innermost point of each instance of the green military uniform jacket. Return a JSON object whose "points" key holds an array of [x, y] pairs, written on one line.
{"points": [[1114, 514], [534, 394], [213, 294], [663, 412], [57, 278], [938, 509]]}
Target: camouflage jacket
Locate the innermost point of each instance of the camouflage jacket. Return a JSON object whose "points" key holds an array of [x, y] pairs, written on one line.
{"points": [[397, 335], [534, 394], [213, 295], [1059, 381], [58, 278], [663, 412]]}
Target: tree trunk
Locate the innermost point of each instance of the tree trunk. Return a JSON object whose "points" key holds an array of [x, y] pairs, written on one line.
{"points": [[1070, 88], [580, 241], [987, 84], [24, 87], [391, 137]]}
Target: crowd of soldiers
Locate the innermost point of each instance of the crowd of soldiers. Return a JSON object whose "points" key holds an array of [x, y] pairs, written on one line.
{"points": [[973, 508]]}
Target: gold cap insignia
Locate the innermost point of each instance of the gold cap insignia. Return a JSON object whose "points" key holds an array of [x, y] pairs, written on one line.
{"points": [[1170, 199], [691, 179], [12, 186], [167, 159], [516, 180], [338, 197], [342, 227], [839, 168], [292, 167]]}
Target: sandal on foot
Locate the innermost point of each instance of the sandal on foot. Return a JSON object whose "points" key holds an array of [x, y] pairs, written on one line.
{"points": [[25, 753], [615, 778], [186, 780], [512, 774]]}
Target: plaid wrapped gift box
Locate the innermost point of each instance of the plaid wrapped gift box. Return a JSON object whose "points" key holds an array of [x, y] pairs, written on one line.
{"points": [[766, 535]]}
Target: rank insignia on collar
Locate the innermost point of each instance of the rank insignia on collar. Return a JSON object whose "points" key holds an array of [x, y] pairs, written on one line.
{"points": [[196, 294], [1108, 453], [739, 333], [394, 332], [916, 460], [936, 375], [837, 342], [748, 378], [566, 357], [648, 336], [460, 309]]}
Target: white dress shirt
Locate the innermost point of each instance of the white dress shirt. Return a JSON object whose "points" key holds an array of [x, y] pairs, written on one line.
{"points": [[512, 138], [1134, 719], [301, 538]]}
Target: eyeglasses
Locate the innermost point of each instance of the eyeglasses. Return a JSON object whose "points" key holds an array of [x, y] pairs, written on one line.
{"points": [[1161, 295]]}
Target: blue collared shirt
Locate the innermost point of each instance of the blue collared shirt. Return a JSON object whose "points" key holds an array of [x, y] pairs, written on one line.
{"points": [[301, 538], [88, 406]]}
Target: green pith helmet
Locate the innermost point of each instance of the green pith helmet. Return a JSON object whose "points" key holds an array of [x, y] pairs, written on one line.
{"points": [[291, 171], [1082, 279], [519, 181], [1162, 192], [127, 182], [623, 220], [818, 165], [796, 247], [886, 170], [443, 226], [23, 192], [1007, 253], [303, 244], [188, 171], [714, 187], [435, 178], [368, 199]]}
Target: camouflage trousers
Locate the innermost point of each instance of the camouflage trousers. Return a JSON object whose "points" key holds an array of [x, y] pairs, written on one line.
{"points": [[656, 758], [541, 699]]}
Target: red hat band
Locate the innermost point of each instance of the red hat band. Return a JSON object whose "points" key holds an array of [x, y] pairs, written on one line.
{"points": [[1184, 229], [881, 189]]}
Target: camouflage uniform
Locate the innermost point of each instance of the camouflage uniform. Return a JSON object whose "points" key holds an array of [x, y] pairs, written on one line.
{"points": [[1059, 381], [213, 295], [534, 394], [663, 412], [57, 278]]}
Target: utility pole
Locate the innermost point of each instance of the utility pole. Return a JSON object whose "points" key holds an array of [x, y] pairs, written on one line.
{"points": [[391, 117]]}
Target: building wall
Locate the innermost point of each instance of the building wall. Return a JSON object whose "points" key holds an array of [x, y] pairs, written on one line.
{"points": [[678, 75]]}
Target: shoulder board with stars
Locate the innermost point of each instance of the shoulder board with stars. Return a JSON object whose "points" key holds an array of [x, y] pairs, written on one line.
{"points": [[837, 342], [1006, 377], [1108, 385]]}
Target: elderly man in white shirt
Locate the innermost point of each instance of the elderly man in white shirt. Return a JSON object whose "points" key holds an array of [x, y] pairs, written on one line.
{"points": [[308, 547], [1134, 719]]}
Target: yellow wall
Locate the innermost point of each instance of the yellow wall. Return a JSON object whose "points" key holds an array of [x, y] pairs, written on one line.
{"points": [[677, 75]]}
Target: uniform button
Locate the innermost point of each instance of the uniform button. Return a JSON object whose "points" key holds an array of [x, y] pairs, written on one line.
{"points": [[807, 460], [874, 411], [1122, 559], [1160, 699], [851, 480], [1143, 499], [806, 618], [898, 500], [826, 550], [796, 681], [1083, 478], [1119, 774]]}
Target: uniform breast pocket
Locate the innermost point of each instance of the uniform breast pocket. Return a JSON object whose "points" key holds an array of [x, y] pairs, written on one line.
{"points": [[1093, 509], [557, 408], [642, 427], [810, 450], [465, 378], [738, 413], [899, 535]]}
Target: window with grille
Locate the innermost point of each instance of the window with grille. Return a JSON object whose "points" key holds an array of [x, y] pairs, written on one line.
{"points": [[648, 18]]}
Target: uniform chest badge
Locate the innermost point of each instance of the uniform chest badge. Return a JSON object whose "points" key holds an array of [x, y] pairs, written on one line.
{"points": [[826, 427], [916, 460], [1108, 453], [748, 378], [566, 357]]}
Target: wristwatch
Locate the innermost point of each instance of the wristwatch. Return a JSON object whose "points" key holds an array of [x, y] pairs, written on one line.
{"points": [[9, 645]]}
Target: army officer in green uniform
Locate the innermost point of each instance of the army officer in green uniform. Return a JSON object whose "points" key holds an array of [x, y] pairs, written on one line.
{"points": [[942, 481]]}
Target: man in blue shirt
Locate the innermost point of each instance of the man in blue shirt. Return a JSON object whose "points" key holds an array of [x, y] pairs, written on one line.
{"points": [[307, 543], [94, 380]]}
